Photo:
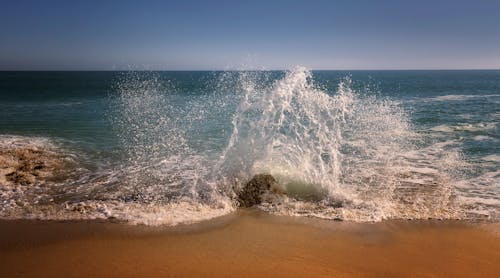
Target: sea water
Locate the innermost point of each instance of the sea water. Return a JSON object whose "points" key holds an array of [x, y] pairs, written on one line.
{"points": [[173, 147]]}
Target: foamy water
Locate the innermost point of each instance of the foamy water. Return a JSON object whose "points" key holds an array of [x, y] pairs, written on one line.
{"points": [[339, 152]]}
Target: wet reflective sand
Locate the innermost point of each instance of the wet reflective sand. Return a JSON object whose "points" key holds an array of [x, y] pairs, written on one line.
{"points": [[250, 243]]}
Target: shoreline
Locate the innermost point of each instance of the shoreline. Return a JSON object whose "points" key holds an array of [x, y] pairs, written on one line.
{"points": [[250, 243]]}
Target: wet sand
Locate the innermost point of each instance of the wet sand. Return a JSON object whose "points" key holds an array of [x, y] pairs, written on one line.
{"points": [[249, 243]]}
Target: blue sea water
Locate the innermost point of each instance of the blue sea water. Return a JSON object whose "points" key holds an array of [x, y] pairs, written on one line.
{"points": [[170, 147]]}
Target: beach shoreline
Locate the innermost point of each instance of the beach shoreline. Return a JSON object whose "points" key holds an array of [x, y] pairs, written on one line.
{"points": [[249, 243]]}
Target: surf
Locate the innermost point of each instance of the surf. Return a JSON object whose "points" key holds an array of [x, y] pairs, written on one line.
{"points": [[342, 153]]}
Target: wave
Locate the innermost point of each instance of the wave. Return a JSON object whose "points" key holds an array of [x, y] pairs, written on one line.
{"points": [[493, 157], [483, 138], [48, 104], [465, 127], [338, 155], [459, 97], [41, 179]]}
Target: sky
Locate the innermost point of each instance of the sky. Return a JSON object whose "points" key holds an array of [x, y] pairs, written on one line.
{"points": [[222, 35]]}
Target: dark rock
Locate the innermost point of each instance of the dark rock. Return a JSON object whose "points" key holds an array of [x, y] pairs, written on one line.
{"points": [[251, 194]]}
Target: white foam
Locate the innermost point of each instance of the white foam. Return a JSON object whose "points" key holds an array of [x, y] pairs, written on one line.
{"points": [[442, 128], [483, 138], [459, 97], [493, 157], [464, 127], [184, 212], [175, 213], [16, 141]]}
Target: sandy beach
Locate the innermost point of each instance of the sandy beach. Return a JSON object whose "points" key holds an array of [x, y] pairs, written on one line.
{"points": [[250, 243]]}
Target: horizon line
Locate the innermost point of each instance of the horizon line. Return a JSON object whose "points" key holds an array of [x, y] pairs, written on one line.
{"points": [[229, 70]]}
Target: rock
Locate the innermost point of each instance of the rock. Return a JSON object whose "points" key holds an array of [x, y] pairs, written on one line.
{"points": [[26, 165], [252, 193]]}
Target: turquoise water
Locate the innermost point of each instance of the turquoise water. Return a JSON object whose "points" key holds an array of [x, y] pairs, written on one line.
{"points": [[169, 147]]}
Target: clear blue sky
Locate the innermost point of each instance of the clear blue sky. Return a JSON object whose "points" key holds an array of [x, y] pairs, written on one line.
{"points": [[184, 35]]}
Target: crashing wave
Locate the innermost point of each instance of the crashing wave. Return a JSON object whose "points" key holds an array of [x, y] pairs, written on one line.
{"points": [[338, 155]]}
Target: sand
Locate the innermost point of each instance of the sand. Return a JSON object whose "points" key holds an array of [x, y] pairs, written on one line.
{"points": [[250, 243]]}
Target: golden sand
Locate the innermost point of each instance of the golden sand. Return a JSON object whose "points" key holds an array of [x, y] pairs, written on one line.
{"points": [[250, 244]]}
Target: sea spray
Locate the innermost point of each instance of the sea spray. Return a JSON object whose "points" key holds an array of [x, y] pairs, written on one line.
{"points": [[165, 163], [339, 154]]}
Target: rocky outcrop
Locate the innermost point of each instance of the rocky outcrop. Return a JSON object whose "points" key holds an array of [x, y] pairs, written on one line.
{"points": [[256, 188], [27, 165]]}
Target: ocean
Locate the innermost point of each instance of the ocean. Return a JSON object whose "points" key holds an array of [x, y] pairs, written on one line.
{"points": [[172, 147]]}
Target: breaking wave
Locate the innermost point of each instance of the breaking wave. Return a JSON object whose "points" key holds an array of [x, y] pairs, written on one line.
{"points": [[344, 155]]}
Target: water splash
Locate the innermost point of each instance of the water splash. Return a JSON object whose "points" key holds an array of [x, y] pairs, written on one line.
{"points": [[338, 154], [155, 123]]}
